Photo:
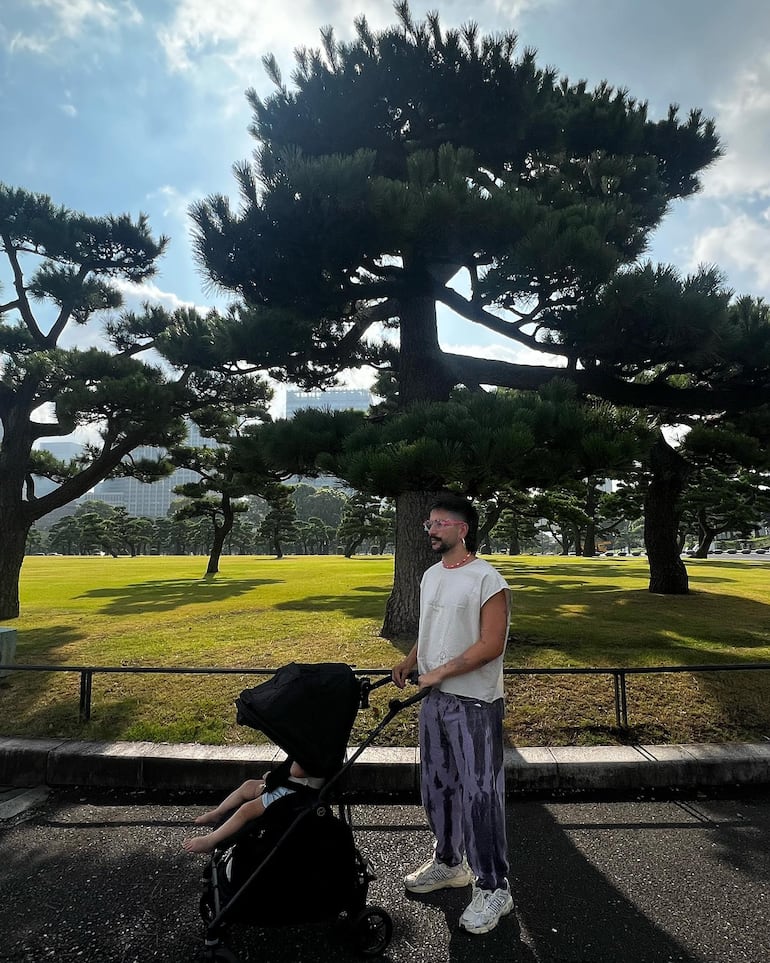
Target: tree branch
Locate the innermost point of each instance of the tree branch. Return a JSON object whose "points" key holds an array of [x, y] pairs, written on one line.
{"points": [[509, 329], [65, 313], [503, 374], [21, 294]]}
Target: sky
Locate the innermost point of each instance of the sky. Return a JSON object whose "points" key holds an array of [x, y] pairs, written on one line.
{"points": [[138, 106]]}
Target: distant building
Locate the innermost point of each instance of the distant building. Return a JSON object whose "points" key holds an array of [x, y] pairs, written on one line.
{"points": [[150, 500], [64, 451], [333, 399]]}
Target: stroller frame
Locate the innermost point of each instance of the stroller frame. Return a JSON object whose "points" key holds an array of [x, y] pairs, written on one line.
{"points": [[369, 927]]}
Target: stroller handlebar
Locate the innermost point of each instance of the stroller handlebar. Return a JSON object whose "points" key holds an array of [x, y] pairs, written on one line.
{"points": [[396, 705]]}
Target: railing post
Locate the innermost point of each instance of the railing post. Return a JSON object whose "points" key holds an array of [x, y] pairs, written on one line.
{"points": [[86, 681], [621, 702]]}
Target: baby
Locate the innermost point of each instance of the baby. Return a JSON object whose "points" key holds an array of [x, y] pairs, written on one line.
{"points": [[249, 802]]}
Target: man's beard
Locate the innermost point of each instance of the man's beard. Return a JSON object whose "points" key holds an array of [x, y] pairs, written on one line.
{"points": [[439, 546]]}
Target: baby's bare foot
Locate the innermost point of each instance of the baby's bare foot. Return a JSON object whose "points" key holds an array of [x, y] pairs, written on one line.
{"points": [[198, 844]]}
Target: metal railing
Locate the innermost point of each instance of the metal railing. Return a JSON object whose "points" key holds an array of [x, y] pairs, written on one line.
{"points": [[619, 675]]}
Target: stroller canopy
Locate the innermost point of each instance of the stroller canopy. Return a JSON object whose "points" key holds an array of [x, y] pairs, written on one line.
{"points": [[307, 710]]}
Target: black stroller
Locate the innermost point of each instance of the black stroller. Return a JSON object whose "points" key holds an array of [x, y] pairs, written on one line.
{"points": [[300, 845]]}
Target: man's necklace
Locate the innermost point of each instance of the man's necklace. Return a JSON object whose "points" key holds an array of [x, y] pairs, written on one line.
{"points": [[457, 564]]}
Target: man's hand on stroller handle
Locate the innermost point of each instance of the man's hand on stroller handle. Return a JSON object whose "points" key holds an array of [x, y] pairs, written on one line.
{"points": [[412, 677], [406, 670]]}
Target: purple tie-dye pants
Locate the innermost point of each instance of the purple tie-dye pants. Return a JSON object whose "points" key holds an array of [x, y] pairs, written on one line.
{"points": [[463, 783]]}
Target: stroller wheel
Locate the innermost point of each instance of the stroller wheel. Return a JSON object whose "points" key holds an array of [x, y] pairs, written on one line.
{"points": [[206, 907], [372, 931], [219, 954]]}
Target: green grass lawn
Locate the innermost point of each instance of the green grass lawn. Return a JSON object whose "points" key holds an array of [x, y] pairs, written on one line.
{"points": [[264, 612]]}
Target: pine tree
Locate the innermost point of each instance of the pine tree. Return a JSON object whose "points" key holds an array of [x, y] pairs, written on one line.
{"points": [[418, 167], [65, 270]]}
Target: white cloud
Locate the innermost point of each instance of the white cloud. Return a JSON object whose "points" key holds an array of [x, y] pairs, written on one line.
{"points": [[515, 8], [136, 294], [506, 351], [743, 243], [25, 43], [69, 109], [743, 122], [239, 34], [175, 203], [71, 20], [72, 15]]}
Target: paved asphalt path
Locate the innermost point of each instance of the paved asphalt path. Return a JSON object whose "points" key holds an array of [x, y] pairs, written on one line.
{"points": [[102, 877]]}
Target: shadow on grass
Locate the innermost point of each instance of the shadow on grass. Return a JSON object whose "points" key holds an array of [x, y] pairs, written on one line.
{"points": [[39, 646], [628, 627], [565, 577], [601, 572], [60, 719], [364, 602], [162, 595]]}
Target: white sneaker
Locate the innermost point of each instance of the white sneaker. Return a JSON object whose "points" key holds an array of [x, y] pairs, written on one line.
{"points": [[435, 875], [485, 909]]}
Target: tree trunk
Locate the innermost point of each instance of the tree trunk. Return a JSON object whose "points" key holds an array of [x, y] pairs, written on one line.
{"points": [[668, 575], [578, 547], [413, 555], [702, 551], [421, 371], [352, 547], [13, 538], [421, 377], [589, 539], [706, 537], [514, 545], [216, 550], [220, 535]]}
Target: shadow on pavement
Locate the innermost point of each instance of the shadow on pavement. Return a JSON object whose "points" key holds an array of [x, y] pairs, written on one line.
{"points": [[569, 910], [102, 877]]}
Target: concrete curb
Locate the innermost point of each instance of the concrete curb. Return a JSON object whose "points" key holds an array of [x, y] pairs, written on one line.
{"points": [[378, 771]]}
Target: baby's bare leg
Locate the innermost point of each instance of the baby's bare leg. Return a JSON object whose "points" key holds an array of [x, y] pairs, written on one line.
{"points": [[252, 809], [251, 789]]}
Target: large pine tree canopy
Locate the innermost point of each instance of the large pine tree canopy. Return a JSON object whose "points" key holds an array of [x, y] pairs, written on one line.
{"points": [[420, 166]]}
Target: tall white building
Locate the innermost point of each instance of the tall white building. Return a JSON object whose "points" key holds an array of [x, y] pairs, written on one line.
{"points": [[334, 399], [151, 500], [64, 451]]}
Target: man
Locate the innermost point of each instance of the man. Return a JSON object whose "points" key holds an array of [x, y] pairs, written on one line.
{"points": [[464, 621]]}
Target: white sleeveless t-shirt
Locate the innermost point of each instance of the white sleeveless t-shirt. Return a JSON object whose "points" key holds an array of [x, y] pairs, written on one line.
{"points": [[450, 622]]}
